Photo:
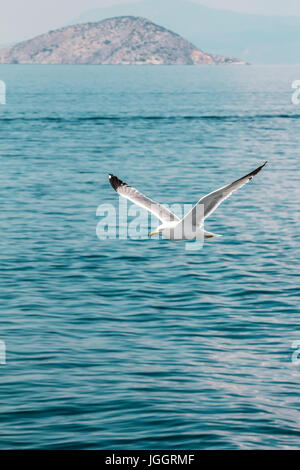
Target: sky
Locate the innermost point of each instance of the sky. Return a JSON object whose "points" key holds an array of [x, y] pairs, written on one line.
{"points": [[21, 19]]}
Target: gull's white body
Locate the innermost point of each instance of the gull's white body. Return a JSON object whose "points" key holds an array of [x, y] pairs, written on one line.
{"points": [[191, 227], [176, 232]]}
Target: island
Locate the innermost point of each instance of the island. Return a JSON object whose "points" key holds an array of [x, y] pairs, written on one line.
{"points": [[124, 40]]}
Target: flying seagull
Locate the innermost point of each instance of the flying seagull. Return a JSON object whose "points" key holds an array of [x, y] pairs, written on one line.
{"points": [[191, 227]]}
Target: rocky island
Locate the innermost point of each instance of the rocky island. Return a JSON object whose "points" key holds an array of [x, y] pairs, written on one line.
{"points": [[116, 41]]}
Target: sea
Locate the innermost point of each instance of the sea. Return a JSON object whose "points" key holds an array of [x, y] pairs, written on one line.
{"points": [[136, 342]]}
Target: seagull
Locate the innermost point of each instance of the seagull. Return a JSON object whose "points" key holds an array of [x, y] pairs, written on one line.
{"points": [[191, 227]]}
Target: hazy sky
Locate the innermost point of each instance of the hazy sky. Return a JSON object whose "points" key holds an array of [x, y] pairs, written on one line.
{"points": [[22, 19]]}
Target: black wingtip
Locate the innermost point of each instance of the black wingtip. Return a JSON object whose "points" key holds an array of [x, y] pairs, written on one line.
{"points": [[253, 173], [115, 182]]}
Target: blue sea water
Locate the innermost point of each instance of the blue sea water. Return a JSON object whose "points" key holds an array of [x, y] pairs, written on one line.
{"points": [[140, 344]]}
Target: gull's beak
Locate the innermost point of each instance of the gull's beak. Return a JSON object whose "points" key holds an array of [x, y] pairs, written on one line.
{"points": [[153, 233]]}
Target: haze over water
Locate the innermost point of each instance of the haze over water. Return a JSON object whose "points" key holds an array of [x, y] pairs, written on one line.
{"points": [[140, 344]]}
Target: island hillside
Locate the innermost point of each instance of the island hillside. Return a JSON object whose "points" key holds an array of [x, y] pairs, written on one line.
{"points": [[120, 40]]}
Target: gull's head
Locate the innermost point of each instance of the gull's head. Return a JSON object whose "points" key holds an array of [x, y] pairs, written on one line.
{"points": [[164, 229], [157, 231]]}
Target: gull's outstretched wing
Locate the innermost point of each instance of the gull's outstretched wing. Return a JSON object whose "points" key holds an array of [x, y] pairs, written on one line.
{"points": [[138, 198], [211, 201]]}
